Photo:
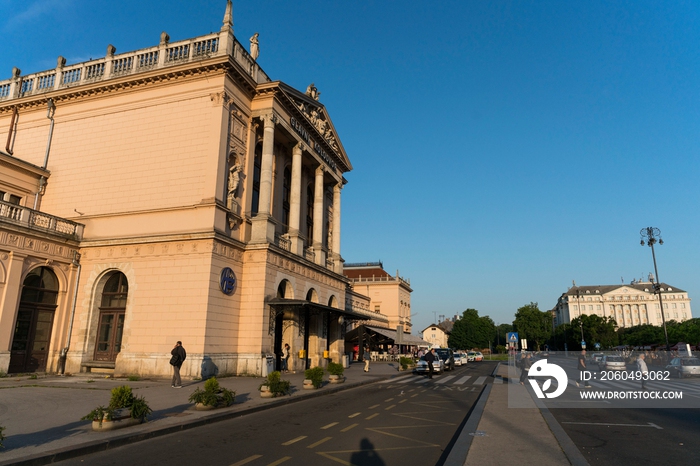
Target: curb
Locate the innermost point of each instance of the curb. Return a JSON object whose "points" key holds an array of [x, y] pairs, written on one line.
{"points": [[460, 449], [87, 448], [567, 445]]}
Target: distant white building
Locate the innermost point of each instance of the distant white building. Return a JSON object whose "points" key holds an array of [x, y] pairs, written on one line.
{"points": [[629, 305]]}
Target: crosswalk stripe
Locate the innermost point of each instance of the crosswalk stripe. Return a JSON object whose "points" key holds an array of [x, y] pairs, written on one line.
{"points": [[480, 380], [402, 379], [446, 378], [462, 380]]}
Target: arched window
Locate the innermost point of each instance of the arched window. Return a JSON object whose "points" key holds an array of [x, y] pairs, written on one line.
{"points": [[257, 167], [112, 313], [284, 290], [286, 195], [312, 296], [333, 301]]}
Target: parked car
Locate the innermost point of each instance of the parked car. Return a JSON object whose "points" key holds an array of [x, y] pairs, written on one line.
{"points": [[422, 366], [447, 355], [684, 367], [596, 357], [458, 360], [463, 357], [479, 356], [471, 356], [612, 363]]}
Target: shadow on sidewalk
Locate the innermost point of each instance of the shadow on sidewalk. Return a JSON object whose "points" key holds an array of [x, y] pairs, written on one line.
{"points": [[13, 442]]}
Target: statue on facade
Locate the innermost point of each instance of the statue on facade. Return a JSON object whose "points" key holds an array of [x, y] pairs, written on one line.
{"points": [[234, 178], [254, 46], [312, 92]]}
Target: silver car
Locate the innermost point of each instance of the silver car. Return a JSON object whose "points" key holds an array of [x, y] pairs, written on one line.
{"points": [[422, 366], [684, 367], [612, 363]]}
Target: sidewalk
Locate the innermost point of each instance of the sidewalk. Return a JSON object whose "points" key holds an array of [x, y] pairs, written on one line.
{"points": [[42, 416], [497, 434]]}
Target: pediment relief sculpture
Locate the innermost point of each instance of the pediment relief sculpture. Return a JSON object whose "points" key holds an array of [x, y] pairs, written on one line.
{"points": [[320, 121]]}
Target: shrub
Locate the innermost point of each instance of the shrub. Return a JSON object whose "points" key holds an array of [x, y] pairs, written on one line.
{"points": [[335, 368], [276, 384], [213, 394], [405, 362], [122, 398], [133, 378], [315, 374]]}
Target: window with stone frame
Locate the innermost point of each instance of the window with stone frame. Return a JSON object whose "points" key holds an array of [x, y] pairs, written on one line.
{"points": [[257, 167], [286, 195], [309, 215]]}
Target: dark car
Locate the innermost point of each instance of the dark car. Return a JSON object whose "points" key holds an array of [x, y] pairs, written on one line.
{"points": [[448, 358]]}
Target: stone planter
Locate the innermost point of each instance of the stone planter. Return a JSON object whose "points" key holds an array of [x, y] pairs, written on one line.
{"points": [[336, 379], [308, 385], [122, 418], [409, 367], [265, 392]]}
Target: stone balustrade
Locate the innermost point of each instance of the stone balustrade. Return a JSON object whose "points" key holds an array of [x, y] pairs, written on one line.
{"points": [[113, 66], [36, 220]]}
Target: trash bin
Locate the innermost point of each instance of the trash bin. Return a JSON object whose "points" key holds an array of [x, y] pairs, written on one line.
{"points": [[346, 361], [268, 365]]}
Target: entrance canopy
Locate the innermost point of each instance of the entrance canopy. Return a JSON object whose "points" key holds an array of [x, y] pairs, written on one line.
{"points": [[281, 305], [385, 336]]}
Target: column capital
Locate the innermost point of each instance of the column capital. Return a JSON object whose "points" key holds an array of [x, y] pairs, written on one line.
{"points": [[269, 119], [298, 147], [319, 170]]}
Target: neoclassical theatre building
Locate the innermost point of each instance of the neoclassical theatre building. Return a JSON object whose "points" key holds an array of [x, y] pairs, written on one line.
{"points": [[170, 193]]}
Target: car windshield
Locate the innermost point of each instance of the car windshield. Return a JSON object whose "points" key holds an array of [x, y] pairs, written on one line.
{"points": [[690, 362], [444, 354], [615, 359], [472, 353]]}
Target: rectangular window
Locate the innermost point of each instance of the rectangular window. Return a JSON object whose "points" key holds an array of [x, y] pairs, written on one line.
{"points": [[682, 305], [597, 307], [673, 305], [14, 199], [665, 305]]}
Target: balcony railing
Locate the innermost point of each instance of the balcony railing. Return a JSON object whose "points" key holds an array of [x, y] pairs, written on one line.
{"points": [[113, 66], [36, 220], [283, 242]]}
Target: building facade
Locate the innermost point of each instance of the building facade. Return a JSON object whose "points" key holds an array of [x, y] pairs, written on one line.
{"points": [[438, 334], [629, 305], [389, 296], [198, 200]]}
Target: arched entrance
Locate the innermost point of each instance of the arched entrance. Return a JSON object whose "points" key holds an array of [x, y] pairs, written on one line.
{"points": [[111, 324], [30, 342]]}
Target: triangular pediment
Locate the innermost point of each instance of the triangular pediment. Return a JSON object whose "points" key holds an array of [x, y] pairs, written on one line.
{"points": [[317, 119]]}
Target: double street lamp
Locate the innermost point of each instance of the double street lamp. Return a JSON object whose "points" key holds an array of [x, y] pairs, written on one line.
{"points": [[649, 237]]}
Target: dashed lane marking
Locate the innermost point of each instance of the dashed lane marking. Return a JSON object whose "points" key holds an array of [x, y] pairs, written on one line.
{"points": [[402, 401], [349, 427], [354, 415], [373, 406], [280, 461], [388, 400], [314, 445], [294, 440], [247, 460], [372, 416], [389, 407], [329, 425]]}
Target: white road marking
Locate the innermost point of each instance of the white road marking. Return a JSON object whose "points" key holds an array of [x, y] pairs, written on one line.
{"points": [[462, 380], [445, 379], [649, 424], [480, 380]]}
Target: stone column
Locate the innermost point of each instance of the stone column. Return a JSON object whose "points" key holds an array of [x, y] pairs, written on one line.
{"points": [[9, 303], [263, 227], [318, 218], [335, 247], [295, 203]]}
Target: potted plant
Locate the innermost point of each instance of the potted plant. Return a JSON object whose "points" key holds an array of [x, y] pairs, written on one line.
{"points": [[336, 371], [406, 363], [213, 396], [274, 385], [314, 378], [124, 410]]}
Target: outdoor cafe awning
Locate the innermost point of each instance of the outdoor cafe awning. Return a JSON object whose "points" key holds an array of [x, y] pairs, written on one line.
{"points": [[381, 335], [281, 304]]}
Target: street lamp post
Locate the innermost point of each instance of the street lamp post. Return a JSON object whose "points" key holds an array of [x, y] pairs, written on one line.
{"points": [[649, 236], [581, 324]]}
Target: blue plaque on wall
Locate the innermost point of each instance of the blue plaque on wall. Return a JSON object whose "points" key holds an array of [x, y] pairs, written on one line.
{"points": [[227, 281]]}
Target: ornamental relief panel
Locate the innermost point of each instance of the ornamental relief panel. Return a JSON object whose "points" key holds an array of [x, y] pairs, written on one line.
{"points": [[303, 271], [318, 119], [146, 250], [47, 248]]}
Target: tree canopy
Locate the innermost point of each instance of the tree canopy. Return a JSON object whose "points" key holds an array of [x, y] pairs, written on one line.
{"points": [[533, 325], [472, 331]]}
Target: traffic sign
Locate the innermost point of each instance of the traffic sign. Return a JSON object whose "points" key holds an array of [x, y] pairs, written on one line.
{"points": [[512, 337], [583, 345]]}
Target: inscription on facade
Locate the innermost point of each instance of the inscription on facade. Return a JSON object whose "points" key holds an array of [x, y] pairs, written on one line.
{"points": [[301, 131]]}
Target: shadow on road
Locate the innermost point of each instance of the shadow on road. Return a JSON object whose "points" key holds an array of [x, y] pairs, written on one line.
{"points": [[367, 456]]}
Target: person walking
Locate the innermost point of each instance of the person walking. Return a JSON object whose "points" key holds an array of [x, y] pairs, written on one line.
{"points": [[178, 357], [525, 364], [366, 356], [642, 367], [430, 359], [582, 369]]}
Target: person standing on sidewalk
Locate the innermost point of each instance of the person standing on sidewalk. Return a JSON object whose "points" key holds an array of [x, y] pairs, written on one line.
{"points": [[525, 364], [582, 369], [642, 367], [285, 358], [430, 359], [178, 357], [366, 356]]}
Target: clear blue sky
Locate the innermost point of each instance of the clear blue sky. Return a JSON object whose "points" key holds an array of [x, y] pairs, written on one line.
{"points": [[500, 149]]}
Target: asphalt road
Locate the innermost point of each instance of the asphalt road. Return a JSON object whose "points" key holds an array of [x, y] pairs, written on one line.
{"points": [[608, 433], [410, 420]]}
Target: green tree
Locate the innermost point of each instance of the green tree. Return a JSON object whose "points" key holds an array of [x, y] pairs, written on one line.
{"points": [[533, 324], [471, 331]]}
